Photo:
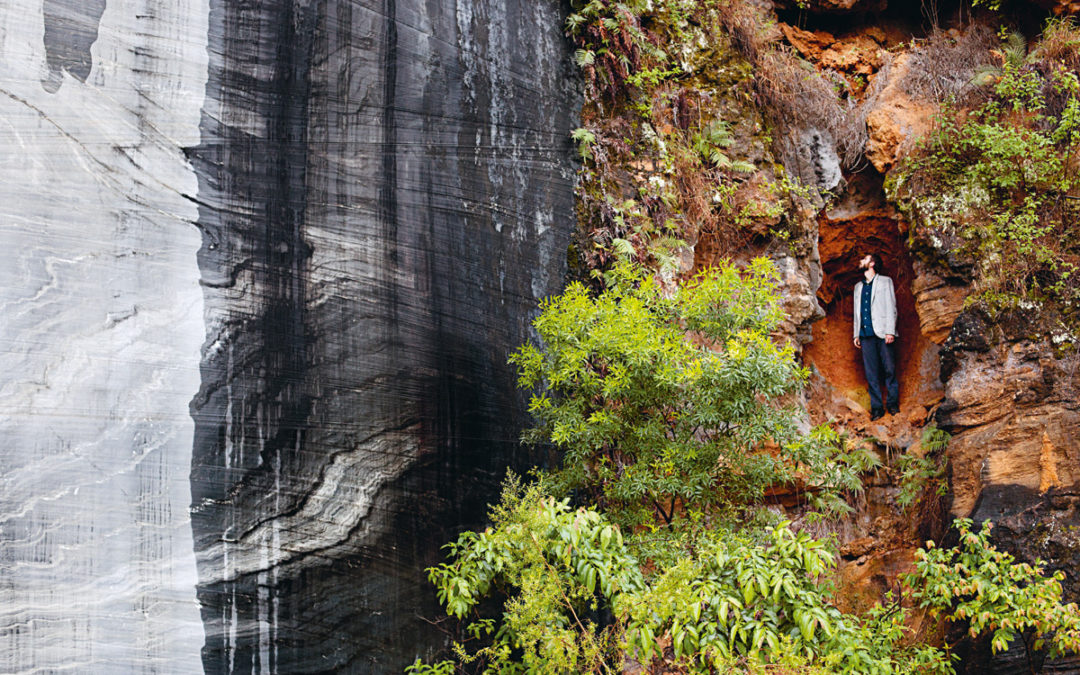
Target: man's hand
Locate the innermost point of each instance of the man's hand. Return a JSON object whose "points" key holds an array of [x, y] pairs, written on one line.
{"points": [[858, 343], [889, 339]]}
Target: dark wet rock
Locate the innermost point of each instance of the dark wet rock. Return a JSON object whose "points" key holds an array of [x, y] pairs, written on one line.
{"points": [[71, 28], [972, 331], [1032, 526], [368, 266], [257, 316]]}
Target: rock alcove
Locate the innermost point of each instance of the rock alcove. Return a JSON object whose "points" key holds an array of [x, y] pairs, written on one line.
{"points": [[861, 223]]}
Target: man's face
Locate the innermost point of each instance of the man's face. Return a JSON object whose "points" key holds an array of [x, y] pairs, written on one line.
{"points": [[866, 263]]}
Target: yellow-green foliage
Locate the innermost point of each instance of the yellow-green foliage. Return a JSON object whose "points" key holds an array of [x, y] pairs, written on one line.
{"points": [[994, 593], [557, 566], [740, 602], [576, 600], [736, 597], [994, 191], [662, 401]]}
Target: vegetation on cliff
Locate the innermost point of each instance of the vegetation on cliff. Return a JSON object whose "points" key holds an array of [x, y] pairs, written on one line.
{"points": [[579, 600], [994, 191], [665, 405], [674, 149]]}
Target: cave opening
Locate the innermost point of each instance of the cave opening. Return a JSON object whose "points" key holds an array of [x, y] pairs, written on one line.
{"points": [[916, 19], [859, 224], [903, 21]]}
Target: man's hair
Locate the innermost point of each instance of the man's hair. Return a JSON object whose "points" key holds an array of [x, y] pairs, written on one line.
{"points": [[876, 258]]}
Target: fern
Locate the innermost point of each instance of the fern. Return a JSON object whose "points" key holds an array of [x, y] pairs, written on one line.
{"points": [[584, 57], [623, 248], [585, 139], [1013, 53], [1015, 49]]}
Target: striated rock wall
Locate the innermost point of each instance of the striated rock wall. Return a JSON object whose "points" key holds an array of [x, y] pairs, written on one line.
{"points": [[264, 264], [101, 331], [1011, 404], [386, 194], [1012, 407]]}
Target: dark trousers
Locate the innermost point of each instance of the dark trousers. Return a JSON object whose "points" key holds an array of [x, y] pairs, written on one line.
{"points": [[879, 364]]}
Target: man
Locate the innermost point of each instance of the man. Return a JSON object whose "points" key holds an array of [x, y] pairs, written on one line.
{"points": [[875, 332]]}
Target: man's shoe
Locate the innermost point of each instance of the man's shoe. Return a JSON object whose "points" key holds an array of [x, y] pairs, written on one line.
{"points": [[894, 409], [877, 413]]}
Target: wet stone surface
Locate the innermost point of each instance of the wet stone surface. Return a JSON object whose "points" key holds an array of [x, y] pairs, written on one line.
{"points": [[263, 267]]}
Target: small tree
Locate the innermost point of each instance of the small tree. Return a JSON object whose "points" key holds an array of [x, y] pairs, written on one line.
{"points": [[991, 591], [668, 401]]}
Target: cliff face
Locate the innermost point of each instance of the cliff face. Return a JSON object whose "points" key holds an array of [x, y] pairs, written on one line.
{"points": [[982, 249], [976, 224], [355, 405], [1001, 376], [264, 262]]}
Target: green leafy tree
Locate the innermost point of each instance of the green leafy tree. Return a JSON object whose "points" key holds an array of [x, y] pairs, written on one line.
{"points": [[993, 592], [668, 400], [558, 567], [742, 599]]}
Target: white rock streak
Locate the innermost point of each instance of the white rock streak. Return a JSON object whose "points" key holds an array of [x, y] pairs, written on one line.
{"points": [[100, 328]]}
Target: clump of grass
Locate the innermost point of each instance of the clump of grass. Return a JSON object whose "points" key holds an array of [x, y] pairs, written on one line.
{"points": [[944, 64]]}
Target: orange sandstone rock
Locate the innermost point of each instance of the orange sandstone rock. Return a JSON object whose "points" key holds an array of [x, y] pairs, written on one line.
{"points": [[938, 302], [1014, 418], [895, 118]]}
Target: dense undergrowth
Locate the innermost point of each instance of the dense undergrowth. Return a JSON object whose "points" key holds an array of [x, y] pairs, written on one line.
{"points": [[651, 547], [993, 193], [673, 148]]}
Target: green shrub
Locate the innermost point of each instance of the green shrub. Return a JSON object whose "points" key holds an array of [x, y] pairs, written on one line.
{"points": [[741, 600], [558, 567], [577, 601], [993, 592], [998, 185]]}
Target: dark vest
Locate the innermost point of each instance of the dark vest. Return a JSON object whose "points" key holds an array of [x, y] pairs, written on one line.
{"points": [[866, 328]]}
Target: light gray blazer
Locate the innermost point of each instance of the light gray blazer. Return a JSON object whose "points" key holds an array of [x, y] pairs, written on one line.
{"points": [[882, 306]]}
